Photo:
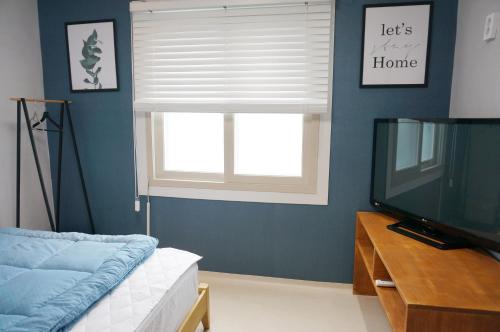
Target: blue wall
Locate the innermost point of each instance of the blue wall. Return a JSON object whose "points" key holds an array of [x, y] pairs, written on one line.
{"points": [[293, 241]]}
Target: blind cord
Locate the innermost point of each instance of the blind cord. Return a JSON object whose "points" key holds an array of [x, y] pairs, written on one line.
{"points": [[148, 215], [137, 202]]}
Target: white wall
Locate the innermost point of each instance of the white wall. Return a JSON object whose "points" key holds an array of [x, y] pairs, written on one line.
{"points": [[476, 73], [21, 75]]}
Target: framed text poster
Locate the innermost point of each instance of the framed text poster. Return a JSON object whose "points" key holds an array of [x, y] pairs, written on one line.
{"points": [[396, 44]]}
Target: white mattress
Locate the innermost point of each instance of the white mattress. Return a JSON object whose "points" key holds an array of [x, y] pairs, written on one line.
{"points": [[156, 296]]}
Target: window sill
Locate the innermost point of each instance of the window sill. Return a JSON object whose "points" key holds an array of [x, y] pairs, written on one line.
{"points": [[239, 196]]}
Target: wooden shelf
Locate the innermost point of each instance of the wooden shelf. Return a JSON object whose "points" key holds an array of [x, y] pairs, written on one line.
{"points": [[393, 306], [436, 291], [367, 255]]}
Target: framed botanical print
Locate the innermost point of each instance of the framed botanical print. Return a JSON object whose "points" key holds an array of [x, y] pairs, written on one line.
{"points": [[396, 44], [91, 47]]}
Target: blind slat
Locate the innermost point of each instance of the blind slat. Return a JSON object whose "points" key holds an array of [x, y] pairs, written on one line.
{"points": [[237, 28], [151, 82], [230, 54], [233, 88], [241, 73]]}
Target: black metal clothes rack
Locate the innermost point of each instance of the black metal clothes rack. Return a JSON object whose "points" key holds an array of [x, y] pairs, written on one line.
{"points": [[64, 108]]}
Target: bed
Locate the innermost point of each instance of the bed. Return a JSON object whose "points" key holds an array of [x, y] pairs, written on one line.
{"points": [[109, 283]]}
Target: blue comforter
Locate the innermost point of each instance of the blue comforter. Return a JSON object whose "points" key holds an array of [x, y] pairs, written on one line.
{"points": [[48, 280]]}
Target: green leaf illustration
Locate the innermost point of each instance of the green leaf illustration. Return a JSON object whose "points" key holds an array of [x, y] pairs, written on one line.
{"points": [[92, 39], [90, 59], [85, 49]]}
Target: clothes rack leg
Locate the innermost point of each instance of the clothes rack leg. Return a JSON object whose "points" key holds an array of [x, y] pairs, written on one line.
{"points": [[59, 169], [37, 162], [18, 175], [82, 180]]}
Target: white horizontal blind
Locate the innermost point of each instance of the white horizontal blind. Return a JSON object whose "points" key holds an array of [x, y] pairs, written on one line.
{"points": [[227, 57]]}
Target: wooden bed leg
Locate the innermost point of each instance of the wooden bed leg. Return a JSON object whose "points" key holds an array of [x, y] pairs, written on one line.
{"points": [[206, 317], [199, 312]]}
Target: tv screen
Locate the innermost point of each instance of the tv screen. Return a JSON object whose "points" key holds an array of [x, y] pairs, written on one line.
{"points": [[444, 173]]}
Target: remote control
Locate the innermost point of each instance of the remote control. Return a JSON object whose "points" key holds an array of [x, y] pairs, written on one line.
{"points": [[384, 283]]}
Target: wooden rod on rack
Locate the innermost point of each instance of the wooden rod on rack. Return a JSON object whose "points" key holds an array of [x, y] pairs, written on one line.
{"points": [[35, 100]]}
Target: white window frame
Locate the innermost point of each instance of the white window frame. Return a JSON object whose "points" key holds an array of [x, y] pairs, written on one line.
{"points": [[319, 197], [322, 168]]}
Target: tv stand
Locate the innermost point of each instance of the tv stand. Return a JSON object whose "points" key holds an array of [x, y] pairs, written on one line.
{"points": [[435, 290], [427, 235]]}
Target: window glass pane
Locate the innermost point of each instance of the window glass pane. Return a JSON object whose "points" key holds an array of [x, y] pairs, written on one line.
{"points": [[428, 132], [193, 142], [268, 144], [407, 145]]}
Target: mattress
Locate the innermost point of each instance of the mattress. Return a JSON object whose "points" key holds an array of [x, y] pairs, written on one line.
{"points": [[156, 296]]}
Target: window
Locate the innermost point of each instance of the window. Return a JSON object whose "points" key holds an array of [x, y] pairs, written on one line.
{"points": [[268, 144], [190, 142], [263, 152], [408, 135], [418, 145], [416, 155], [428, 142], [235, 96]]}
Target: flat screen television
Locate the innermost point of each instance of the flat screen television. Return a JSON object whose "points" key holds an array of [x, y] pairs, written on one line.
{"points": [[440, 179]]}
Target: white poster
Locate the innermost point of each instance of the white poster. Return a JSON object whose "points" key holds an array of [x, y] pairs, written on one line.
{"points": [[91, 56], [396, 45]]}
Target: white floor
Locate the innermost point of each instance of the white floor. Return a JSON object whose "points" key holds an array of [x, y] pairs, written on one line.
{"points": [[258, 304]]}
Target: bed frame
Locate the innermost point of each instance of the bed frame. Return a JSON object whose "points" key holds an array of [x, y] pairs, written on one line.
{"points": [[199, 312]]}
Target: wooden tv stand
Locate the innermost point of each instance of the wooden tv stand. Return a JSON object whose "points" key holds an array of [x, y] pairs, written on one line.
{"points": [[436, 290]]}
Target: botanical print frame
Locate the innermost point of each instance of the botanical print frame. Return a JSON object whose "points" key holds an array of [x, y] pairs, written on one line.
{"points": [[91, 48], [396, 44]]}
